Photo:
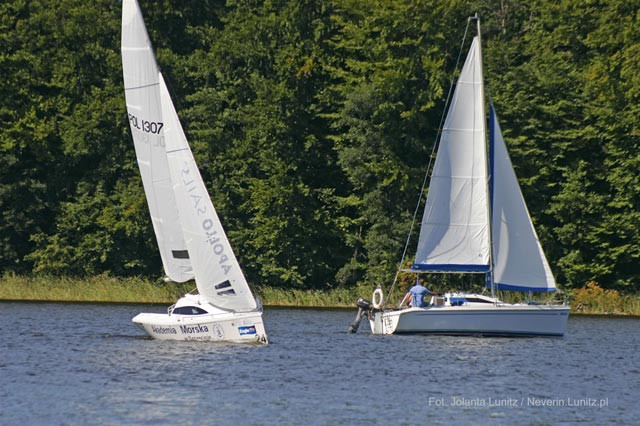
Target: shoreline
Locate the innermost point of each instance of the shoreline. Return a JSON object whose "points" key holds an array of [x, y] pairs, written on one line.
{"points": [[139, 291]]}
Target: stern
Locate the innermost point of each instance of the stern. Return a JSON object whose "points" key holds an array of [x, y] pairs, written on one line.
{"points": [[381, 322]]}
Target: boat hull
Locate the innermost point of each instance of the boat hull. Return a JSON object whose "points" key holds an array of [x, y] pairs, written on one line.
{"points": [[246, 327], [494, 320]]}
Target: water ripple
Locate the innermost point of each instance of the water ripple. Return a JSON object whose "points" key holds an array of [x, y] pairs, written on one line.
{"points": [[88, 364]]}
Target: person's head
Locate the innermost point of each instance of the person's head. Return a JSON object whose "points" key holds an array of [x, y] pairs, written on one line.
{"points": [[421, 281]]}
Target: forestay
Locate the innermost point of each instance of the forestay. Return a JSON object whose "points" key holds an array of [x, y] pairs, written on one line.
{"points": [[519, 261], [217, 272], [147, 128], [454, 234]]}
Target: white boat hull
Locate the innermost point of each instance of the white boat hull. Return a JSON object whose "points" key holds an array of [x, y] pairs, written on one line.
{"points": [[246, 327], [492, 320]]}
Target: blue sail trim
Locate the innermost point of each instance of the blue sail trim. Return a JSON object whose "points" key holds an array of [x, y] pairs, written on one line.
{"points": [[510, 287], [449, 268]]}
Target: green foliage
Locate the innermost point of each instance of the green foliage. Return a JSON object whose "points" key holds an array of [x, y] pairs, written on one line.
{"points": [[387, 68], [312, 122], [255, 129]]}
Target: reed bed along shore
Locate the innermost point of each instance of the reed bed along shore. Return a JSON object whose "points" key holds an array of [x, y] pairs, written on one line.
{"points": [[92, 289], [104, 289]]}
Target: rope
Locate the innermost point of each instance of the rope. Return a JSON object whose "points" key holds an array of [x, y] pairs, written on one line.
{"points": [[431, 156]]}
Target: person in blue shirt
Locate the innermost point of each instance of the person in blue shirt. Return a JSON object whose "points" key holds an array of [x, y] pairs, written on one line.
{"points": [[416, 295]]}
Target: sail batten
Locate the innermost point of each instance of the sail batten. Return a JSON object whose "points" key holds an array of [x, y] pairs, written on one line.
{"points": [[140, 87]]}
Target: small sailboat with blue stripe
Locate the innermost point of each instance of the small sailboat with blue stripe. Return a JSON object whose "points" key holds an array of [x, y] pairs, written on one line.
{"points": [[475, 221]]}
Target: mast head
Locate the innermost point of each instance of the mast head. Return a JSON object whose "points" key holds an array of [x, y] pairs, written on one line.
{"points": [[476, 18]]}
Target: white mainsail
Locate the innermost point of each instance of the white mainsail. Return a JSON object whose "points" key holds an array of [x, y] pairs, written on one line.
{"points": [[518, 258], [454, 234], [217, 272], [147, 128]]}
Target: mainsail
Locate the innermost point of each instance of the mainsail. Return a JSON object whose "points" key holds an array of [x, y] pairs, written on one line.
{"points": [[519, 262], [147, 128], [217, 272], [454, 235]]}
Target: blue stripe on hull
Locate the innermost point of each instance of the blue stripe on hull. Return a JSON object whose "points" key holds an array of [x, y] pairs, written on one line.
{"points": [[482, 333], [489, 313]]}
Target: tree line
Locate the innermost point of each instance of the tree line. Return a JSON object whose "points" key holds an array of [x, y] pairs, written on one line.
{"points": [[312, 122]]}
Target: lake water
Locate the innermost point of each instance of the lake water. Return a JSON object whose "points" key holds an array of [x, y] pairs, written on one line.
{"points": [[85, 364]]}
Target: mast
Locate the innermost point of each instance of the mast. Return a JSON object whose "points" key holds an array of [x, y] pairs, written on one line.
{"points": [[489, 275]]}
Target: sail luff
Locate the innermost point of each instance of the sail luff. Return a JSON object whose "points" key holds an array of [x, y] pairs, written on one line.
{"points": [[140, 73], [217, 273]]}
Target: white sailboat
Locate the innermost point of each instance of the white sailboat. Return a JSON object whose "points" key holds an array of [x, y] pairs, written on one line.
{"points": [[475, 221], [190, 236]]}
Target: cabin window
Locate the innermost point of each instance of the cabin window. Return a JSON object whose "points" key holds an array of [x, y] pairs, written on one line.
{"points": [[476, 300], [189, 310]]}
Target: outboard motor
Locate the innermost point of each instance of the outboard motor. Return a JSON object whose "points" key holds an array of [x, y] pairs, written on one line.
{"points": [[364, 307], [363, 304]]}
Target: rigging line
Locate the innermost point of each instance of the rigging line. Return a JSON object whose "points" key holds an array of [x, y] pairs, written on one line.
{"points": [[433, 150]]}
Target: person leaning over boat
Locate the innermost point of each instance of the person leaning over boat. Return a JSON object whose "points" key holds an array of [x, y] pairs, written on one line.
{"points": [[416, 295]]}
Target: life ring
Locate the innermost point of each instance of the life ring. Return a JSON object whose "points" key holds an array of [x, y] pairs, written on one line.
{"points": [[377, 299]]}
